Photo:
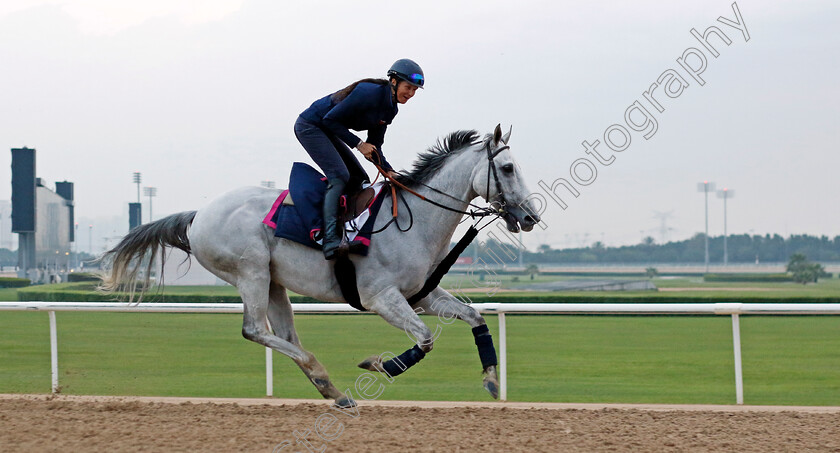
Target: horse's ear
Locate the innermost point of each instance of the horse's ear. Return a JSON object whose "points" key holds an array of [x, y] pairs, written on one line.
{"points": [[506, 137], [497, 134]]}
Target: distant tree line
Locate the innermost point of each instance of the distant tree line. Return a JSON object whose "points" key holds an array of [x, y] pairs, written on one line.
{"points": [[741, 249]]}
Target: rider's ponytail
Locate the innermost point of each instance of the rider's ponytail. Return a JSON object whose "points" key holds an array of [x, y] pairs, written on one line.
{"points": [[339, 96]]}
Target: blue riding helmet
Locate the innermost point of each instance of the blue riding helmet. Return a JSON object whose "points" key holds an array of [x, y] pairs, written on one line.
{"points": [[408, 71]]}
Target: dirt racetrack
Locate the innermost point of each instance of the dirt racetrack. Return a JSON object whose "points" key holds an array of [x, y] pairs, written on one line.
{"points": [[116, 424]]}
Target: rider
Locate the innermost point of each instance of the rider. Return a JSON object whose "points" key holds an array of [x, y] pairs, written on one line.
{"points": [[323, 130]]}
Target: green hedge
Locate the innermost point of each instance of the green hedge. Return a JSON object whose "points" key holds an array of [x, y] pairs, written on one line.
{"points": [[615, 297], [748, 278], [585, 273], [86, 292], [83, 277], [12, 282]]}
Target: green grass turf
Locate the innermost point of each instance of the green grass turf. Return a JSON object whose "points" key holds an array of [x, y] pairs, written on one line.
{"points": [[628, 359], [8, 294]]}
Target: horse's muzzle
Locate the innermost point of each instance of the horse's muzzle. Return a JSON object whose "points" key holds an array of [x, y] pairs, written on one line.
{"points": [[525, 222]]}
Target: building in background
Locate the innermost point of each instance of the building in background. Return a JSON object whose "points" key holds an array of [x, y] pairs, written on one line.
{"points": [[43, 220], [135, 215], [7, 239]]}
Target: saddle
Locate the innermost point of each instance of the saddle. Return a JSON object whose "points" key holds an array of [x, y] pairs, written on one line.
{"points": [[352, 205], [297, 213]]}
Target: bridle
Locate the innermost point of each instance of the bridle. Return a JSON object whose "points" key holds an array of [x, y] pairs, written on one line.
{"points": [[491, 164]]}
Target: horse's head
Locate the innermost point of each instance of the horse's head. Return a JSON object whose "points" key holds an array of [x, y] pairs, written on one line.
{"points": [[500, 181]]}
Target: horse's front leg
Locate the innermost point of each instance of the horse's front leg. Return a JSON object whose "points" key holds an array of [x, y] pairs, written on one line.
{"points": [[446, 306], [393, 308]]}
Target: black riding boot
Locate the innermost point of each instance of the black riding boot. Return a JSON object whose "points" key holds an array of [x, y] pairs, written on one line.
{"points": [[334, 243]]}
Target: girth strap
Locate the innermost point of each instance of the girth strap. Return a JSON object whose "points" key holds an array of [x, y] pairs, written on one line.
{"points": [[345, 273], [437, 275]]}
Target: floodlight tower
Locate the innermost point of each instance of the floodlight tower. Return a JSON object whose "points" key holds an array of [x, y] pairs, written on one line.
{"points": [[705, 187], [725, 194], [150, 192], [137, 179]]}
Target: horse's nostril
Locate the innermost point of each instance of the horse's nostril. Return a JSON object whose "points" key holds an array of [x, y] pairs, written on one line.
{"points": [[532, 219]]}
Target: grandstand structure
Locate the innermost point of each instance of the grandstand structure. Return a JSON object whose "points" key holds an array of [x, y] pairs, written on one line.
{"points": [[43, 220]]}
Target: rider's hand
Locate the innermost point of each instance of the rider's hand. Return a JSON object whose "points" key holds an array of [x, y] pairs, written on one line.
{"points": [[366, 149]]}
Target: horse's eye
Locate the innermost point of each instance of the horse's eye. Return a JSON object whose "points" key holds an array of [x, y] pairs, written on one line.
{"points": [[507, 168]]}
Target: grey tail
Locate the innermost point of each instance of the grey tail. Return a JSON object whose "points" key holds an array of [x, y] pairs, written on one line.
{"points": [[138, 251]]}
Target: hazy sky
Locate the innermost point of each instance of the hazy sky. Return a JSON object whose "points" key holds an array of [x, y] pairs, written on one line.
{"points": [[200, 96]]}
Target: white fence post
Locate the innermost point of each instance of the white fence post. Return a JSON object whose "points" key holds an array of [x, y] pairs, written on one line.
{"points": [[736, 345], [269, 373], [53, 352], [502, 357]]}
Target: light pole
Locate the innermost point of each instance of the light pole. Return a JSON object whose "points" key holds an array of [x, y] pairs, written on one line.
{"points": [[705, 187], [725, 194], [137, 180], [76, 246], [90, 240], [150, 192]]}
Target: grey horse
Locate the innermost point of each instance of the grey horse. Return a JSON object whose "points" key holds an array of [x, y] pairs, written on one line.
{"points": [[229, 239]]}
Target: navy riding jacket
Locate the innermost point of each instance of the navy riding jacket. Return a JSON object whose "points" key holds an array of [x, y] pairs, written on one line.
{"points": [[369, 107]]}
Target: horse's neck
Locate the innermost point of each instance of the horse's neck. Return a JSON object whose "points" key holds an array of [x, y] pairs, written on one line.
{"points": [[435, 224]]}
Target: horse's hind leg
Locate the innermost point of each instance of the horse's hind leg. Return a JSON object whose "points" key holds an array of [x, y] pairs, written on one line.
{"points": [[281, 319], [255, 297], [447, 307]]}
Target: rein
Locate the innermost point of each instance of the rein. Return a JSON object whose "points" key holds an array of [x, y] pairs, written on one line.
{"points": [[477, 212]]}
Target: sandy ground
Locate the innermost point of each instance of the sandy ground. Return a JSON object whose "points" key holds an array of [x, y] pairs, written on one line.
{"points": [[88, 424]]}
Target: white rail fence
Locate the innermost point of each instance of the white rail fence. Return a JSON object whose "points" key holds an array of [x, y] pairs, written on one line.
{"points": [[501, 309]]}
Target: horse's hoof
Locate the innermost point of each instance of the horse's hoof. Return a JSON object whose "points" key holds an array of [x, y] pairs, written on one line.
{"points": [[491, 387], [372, 363], [491, 381], [345, 402]]}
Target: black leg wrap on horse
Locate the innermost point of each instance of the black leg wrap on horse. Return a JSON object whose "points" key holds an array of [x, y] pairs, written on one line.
{"points": [[484, 341], [404, 361]]}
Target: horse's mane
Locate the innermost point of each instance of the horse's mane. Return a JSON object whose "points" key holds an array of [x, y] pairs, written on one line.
{"points": [[429, 162]]}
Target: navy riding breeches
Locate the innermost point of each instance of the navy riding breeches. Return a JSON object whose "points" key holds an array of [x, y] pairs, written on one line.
{"points": [[334, 157]]}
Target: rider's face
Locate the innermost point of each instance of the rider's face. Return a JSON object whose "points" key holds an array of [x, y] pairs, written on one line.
{"points": [[405, 91]]}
